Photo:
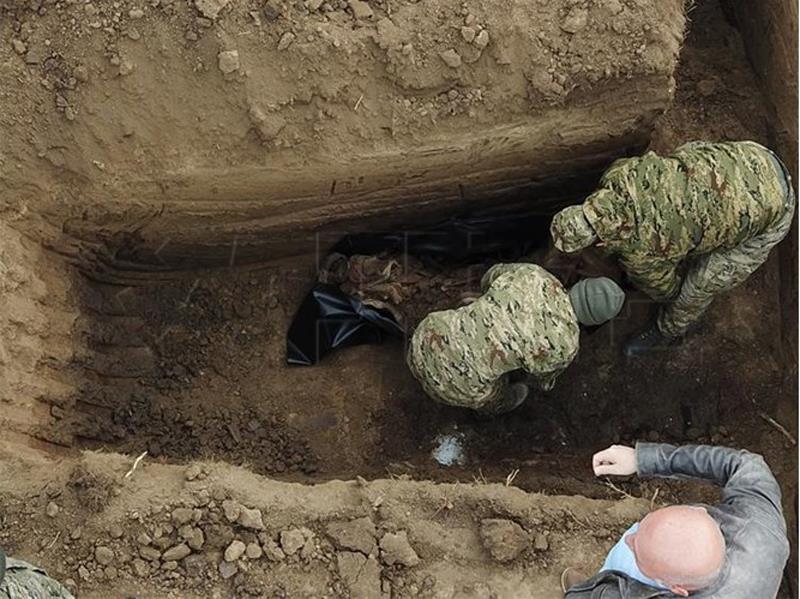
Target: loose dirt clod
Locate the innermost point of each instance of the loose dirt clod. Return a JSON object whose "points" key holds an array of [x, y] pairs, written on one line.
{"points": [[357, 535], [395, 549], [503, 539]]}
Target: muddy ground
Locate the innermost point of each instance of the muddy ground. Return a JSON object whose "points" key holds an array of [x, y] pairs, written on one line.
{"points": [[193, 368]]}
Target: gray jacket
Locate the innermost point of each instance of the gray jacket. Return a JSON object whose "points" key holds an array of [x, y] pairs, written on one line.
{"points": [[750, 516]]}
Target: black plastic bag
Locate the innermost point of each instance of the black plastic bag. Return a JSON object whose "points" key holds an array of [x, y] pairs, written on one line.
{"points": [[328, 319], [457, 239]]}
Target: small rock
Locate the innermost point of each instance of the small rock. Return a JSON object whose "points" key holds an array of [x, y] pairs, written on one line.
{"points": [[250, 519], [231, 509], [75, 533], [470, 19], [136, 13], [52, 509], [228, 61], [504, 539], [286, 40], [601, 533], [103, 555], [468, 33], [227, 569], [195, 565], [482, 39], [253, 551], [234, 551], [313, 5], [19, 46], [81, 73], [115, 531], [361, 10], [192, 472], [181, 516], [125, 68], [451, 58], [151, 554], [210, 9], [272, 551], [577, 19], [395, 549], [540, 542], [271, 12], [144, 539], [176, 553], [169, 566], [706, 87], [357, 535], [196, 540], [140, 568], [83, 572], [292, 540]]}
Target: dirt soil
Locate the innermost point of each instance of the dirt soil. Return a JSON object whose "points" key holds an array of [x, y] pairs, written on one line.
{"points": [[191, 368]]}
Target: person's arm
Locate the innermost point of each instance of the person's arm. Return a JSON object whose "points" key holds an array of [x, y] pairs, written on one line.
{"points": [[657, 277], [745, 478]]}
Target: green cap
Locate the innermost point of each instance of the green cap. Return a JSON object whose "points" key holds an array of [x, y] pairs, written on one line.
{"points": [[571, 231], [597, 300]]}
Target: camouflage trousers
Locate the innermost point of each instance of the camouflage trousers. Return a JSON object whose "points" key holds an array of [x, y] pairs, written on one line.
{"points": [[25, 581], [716, 272], [505, 396]]}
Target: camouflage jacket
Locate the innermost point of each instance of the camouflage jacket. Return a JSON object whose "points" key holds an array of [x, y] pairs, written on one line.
{"points": [[654, 212], [25, 581], [524, 320]]}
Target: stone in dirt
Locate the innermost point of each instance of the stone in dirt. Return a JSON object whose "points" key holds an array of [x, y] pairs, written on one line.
{"points": [[482, 39], [250, 519], [576, 20], [227, 569], [193, 536], [468, 33], [228, 61], [706, 87], [286, 40], [181, 516], [210, 9], [271, 549], [231, 509], [103, 555], [52, 509], [361, 574], [504, 539], [356, 535], [234, 551], [192, 472], [451, 58], [253, 551], [361, 10], [395, 549], [540, 542], [140, 568], [292, 540], [176, 553], [150, 553]]}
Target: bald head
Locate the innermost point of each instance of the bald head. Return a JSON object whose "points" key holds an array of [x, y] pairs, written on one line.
{"points": [[680, 546]]}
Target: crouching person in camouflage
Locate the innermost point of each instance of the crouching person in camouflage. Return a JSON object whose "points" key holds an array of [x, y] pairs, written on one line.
{"points": [[686, 227], [21, 580], [524, 321]]}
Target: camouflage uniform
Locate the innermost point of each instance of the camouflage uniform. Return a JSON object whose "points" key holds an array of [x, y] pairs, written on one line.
{"points": [[694, 224], [25, 581], [524, 320]]}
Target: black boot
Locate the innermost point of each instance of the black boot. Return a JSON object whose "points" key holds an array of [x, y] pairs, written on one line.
{"points": [[648, 340]]}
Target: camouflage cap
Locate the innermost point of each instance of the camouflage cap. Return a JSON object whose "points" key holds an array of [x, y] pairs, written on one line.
{"points": [[571, 231], [596, 300]]}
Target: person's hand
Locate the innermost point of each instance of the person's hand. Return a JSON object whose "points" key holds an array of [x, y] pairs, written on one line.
{"points": [[617, 460]]}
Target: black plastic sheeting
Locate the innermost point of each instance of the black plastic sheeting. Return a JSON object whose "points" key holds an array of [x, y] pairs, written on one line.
{"points": [[457, 239], [329, 319]]}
